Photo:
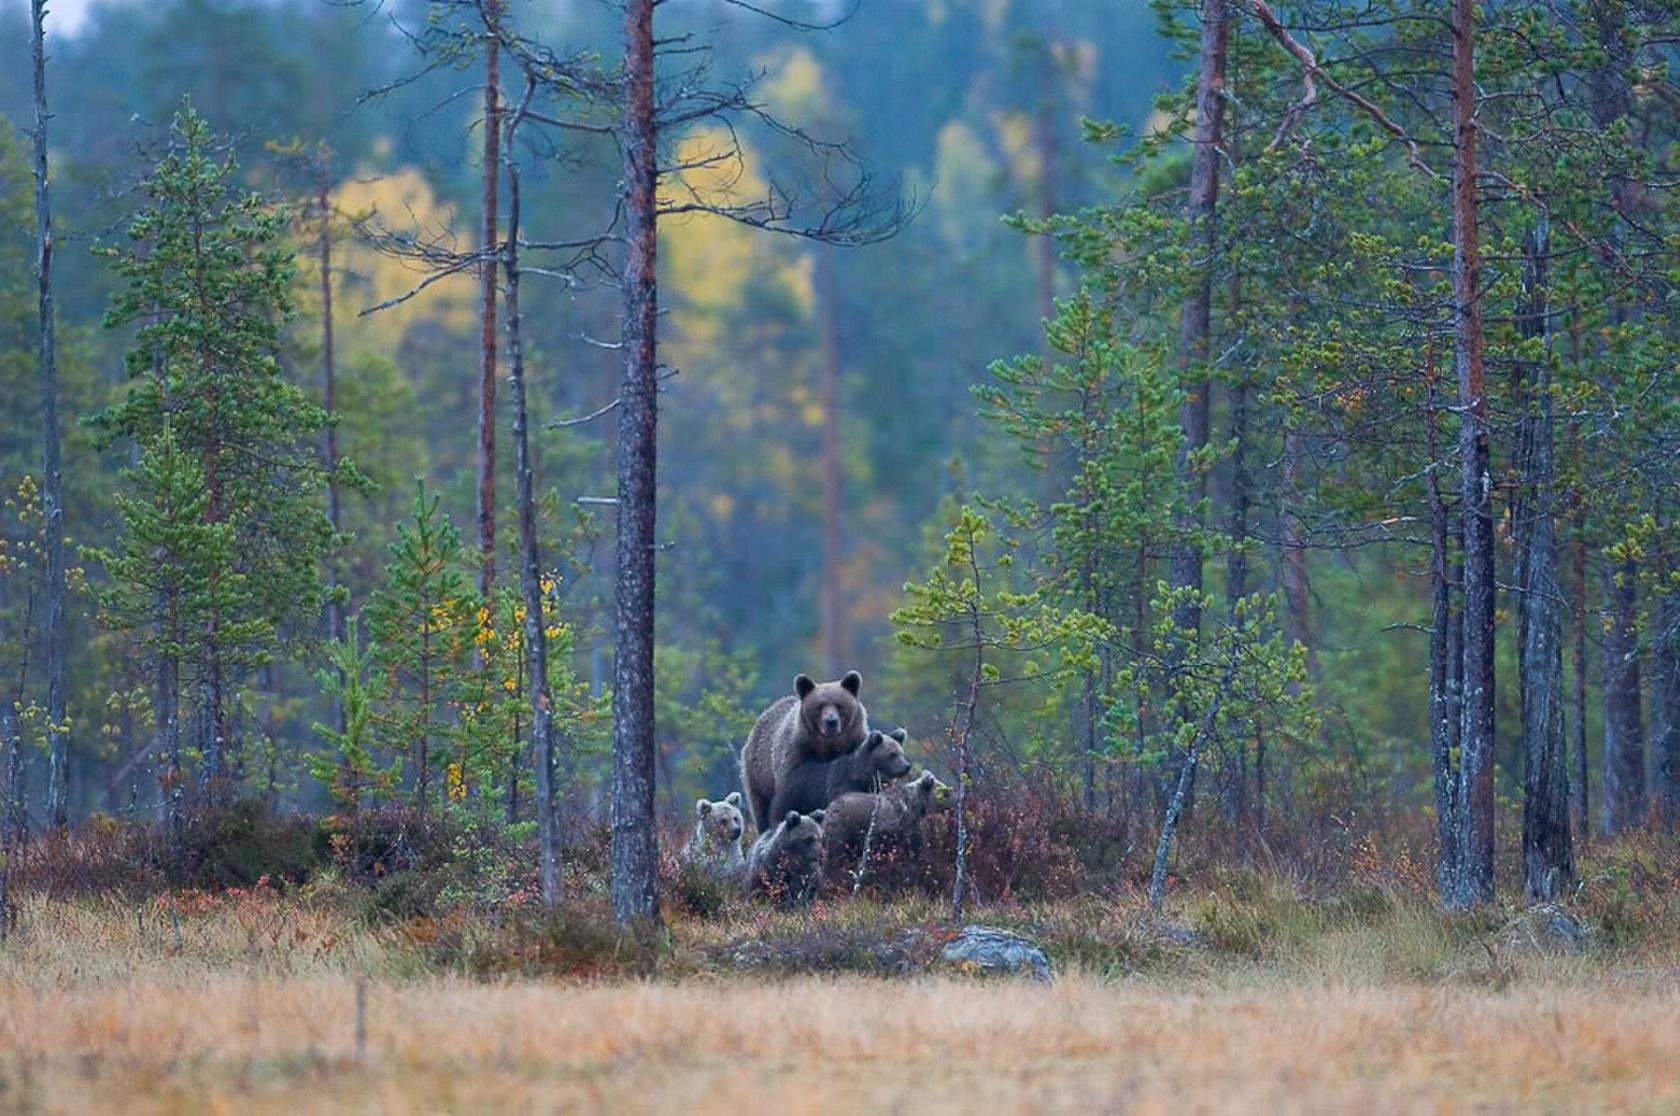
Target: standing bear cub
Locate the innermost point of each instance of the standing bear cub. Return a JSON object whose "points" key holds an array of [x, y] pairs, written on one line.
{"points": [[818, 721], [813, 784]]}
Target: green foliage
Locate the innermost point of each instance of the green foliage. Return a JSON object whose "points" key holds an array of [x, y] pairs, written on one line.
{"points": [[420, 628], [174, 574], [350, 769]]}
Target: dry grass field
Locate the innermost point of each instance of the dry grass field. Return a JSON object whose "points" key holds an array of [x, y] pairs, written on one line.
{"points": [[249, 1005]]}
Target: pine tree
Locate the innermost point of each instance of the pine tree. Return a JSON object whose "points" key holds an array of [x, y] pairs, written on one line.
{"points": [[351, 767], [421, 625], [207, 280], [170, 572]]}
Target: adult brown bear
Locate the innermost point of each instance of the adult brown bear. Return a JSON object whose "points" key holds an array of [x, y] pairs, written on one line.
{"points": [[818, 721]]}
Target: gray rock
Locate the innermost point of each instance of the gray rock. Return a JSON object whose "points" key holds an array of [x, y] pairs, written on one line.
{"points": [[1543, 928], [988, 950]]}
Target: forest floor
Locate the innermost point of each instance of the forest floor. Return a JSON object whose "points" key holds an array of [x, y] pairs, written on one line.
{"points": [[246, 1002]]}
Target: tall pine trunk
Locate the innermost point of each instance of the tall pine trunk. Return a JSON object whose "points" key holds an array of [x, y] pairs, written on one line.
{"points": [[487, 307], [1443, 664], [1195, 315], [52, 481], [1624, 734], [329, 436], [634, 848], [1548, 852], [1665, 695], [530, 566], [1624, 724], [1475, 875], [1578, 653]]}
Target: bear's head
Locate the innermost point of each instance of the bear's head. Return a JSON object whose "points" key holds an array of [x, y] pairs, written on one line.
{"points": [[883, 752], [721, 821], [831, 713], [925, 793], [801, 832]]}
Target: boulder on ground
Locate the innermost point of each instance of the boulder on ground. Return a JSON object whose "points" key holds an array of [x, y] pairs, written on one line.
{"points": [[1542, 928], [984, 949]]}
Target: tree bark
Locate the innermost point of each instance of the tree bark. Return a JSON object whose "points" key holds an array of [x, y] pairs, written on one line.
{"points": [[487, 307], [1475, 877], [530, 562], [1443, 666], [1624, 725], [1665, 694], [11, 826], [1548, 851], [833, 597], [52, 481], [1187, 776], [1195, 313], [1578, 697], [634, 851]]}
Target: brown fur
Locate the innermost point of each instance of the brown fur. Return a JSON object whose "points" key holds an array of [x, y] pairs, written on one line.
{"points": [[818, 721], [786, 862], [813, 784], [896, 814]]}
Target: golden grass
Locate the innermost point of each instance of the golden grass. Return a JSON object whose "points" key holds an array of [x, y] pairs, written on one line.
{"points": [[249, 1007]]}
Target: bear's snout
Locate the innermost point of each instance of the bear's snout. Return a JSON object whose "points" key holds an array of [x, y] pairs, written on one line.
{"points": [[830, 721]]}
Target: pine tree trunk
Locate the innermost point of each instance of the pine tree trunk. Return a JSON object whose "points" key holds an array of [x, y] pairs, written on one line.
{"points": [[1186, 777], [329, 437], [530, 567], [1475, 877], [11, 826], [173, 780], [1611, 99], [634, 848], [1624, 726], [52, 481], [487, 308], [833, 598], [1578, 696], [1548, 852], [1665, 694], [1195, 314], [1443, 668]]}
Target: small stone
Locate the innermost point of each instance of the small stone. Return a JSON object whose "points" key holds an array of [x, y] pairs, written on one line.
{"points": [[983, 949]]}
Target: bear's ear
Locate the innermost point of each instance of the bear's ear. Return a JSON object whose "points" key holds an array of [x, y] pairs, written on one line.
{"points": [[802, 685], [853, 682], [792, 818], [900, 734], [733, 798], [702, 808], [817, 816], [876, 739]]}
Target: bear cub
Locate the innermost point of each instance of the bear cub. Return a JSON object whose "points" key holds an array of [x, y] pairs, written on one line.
{"points": [[813, 784], [896, 817], [818, 721], [786, 862], [716, 842]]}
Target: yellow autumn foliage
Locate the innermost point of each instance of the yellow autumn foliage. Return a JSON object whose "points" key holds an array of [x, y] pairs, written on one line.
{"points": [[400, 202], [709, 261]]}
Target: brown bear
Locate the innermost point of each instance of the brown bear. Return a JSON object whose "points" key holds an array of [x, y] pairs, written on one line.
{"points": [[716, 844], [786, 862], [813, 784], [891, 823], [818, 721]]}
